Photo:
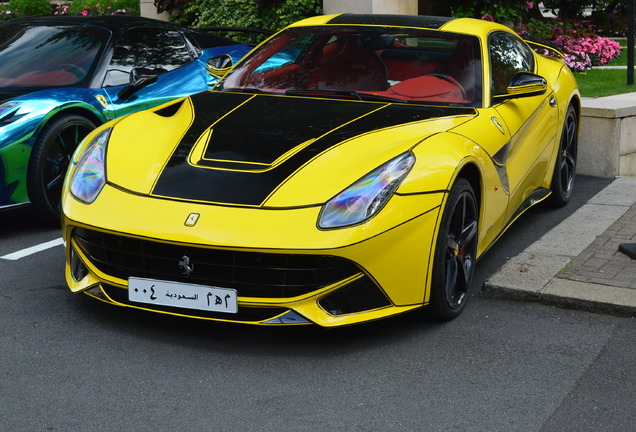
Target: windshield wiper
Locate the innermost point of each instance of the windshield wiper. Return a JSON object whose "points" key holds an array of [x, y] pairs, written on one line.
{"points": [[316, 92], [382, 98], [245, 90], [358, 95]]}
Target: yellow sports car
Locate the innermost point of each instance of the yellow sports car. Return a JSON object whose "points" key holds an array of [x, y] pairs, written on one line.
{"points": [[351, 168]]}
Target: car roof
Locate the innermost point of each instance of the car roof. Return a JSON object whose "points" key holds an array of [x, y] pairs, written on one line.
{"points": [[118, 24], [423, 21], [469, 26], [112, 22]]}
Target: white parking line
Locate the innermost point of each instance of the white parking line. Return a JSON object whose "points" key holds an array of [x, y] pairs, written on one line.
{"points": [[33, 249]]}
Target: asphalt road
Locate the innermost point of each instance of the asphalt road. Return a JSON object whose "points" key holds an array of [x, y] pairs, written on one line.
{"points": [[70, 363]]}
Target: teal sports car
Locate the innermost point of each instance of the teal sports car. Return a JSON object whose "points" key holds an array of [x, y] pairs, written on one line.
{"points": [[61, 77]]}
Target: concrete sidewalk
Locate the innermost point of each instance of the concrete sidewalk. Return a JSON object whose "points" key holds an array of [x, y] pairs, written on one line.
{"points": [[577, 264]]}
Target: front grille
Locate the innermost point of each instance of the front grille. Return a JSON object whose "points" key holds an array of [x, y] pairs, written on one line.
{"points": [[252, 274]]}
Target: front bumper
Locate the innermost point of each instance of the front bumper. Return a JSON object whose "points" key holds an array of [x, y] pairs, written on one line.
{"points": [[285, 269]]}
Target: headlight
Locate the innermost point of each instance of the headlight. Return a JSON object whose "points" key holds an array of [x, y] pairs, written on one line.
{"points": [[9, 113], [368, 195], [7, 107], [90, 175]]}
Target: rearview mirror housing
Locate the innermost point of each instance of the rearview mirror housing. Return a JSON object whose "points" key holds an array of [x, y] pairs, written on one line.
{"points": [[523, 84], [138, 80], [220, 65]]}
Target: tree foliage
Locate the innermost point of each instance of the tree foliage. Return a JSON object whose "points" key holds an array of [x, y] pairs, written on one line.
{"points": [[30, 7], [516, 9], [264, 14]]}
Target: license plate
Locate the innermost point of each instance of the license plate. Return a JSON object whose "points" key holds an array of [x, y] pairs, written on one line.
{"points": [[182, 295]]}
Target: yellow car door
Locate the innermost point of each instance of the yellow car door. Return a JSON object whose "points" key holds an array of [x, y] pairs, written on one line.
{"points": [[529, 119]]}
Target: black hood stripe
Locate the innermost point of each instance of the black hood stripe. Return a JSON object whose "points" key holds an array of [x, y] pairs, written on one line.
{"points": [[261, 131], [198, 183]]}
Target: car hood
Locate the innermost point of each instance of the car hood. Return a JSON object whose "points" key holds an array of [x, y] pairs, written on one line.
{"points": [[246, 149]]}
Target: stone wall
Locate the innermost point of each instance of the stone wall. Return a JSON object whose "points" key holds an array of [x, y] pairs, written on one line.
{"points": [[147, 9], [607, 140]]}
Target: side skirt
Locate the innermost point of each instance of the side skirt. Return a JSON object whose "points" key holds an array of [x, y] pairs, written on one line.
{"points": [[533, 199]]}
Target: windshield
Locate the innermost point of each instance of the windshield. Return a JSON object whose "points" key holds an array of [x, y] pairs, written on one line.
{"points": [[366, 63], [47, 56]]}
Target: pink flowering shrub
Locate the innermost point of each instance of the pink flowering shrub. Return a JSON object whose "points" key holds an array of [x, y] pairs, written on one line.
{"points": [[17, 8], [583, 53], [61, 9], [102, 7], [575, 55], [601, 50], [581, 46], [5, 13]]}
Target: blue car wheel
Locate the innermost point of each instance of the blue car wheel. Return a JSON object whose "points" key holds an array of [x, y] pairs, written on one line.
{"points": [[49, 161]]}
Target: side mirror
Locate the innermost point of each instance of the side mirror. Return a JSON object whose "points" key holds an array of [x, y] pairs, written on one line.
{"points": [[220, 65], [138, 80], [524, 84]]}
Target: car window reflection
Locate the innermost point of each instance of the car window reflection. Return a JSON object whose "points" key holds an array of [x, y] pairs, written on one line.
{"points": [[161, 50], [38, 56]]}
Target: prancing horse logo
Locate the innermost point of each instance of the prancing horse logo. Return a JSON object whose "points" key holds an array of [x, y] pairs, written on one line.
{"points": [[186, 266]]}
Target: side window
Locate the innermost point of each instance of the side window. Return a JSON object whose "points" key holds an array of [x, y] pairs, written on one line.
{"points": [[508, 55], [160, 50]]}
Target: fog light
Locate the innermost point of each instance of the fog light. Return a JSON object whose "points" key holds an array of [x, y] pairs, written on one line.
{"points": [[78, 269], [360, 295]]}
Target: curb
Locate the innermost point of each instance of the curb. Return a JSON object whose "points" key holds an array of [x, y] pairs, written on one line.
{"points": [[604, 299], [532, 275]]}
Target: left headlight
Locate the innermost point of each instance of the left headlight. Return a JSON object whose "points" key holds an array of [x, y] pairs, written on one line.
{"points": [[7, 107], [9, 112], [368, 195], [89, 177]]}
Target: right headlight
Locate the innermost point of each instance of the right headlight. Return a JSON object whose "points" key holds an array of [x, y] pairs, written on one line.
{"points": [[7, 107], [367, 196], [89, 177]]}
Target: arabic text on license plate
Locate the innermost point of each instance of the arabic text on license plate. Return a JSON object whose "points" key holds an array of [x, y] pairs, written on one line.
{"points": [[182, 295]]}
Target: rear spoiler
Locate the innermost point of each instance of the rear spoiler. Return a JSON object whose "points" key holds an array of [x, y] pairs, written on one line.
{"points": [[537, 43]]}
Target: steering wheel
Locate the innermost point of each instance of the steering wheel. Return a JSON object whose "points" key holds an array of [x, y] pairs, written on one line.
{"points": [[451, 80], [78, 71]]}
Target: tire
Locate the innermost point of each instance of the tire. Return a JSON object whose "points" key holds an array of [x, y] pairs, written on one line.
{"points": [[49, 162], [565, 164], [455, 253]]}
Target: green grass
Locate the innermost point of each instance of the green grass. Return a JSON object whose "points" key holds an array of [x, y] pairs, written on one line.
{"points": [[603, 82], [621, 60]]}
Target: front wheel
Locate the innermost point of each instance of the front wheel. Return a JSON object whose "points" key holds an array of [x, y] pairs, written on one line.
{"points": [[455, 253], [565, 165], [49, 161]]}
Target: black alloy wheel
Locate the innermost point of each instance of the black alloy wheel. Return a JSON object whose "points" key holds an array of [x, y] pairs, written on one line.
{"points": [[455, 253], [565, 165], [49, 162]]}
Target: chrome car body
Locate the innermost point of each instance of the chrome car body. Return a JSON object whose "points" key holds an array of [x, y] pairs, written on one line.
{"points": [[60, 77]]}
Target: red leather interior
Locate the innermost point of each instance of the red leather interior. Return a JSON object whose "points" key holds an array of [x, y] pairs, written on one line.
{"points": [[35, 78], [427, 88]]}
